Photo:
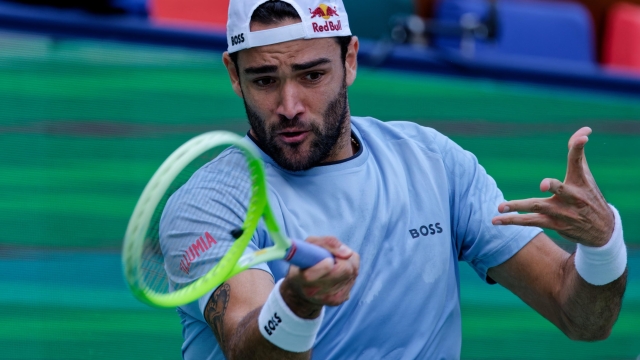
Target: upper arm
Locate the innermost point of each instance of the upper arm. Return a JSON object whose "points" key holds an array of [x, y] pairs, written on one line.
{"points": [[234, 299], [536, 274]]}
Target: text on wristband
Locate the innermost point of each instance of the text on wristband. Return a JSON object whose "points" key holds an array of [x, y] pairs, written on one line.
{"points": [[272, 324]]}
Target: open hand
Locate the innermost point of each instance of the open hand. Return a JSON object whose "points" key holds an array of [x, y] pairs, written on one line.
{"points": [[576, 210]]}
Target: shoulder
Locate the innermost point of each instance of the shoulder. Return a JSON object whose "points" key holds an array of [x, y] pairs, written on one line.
{"points": [[228, 166], [391, 131], [193, 185]]}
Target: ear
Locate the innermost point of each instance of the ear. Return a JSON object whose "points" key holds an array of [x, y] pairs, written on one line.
{"points": [[233, 73], [351, 62]]}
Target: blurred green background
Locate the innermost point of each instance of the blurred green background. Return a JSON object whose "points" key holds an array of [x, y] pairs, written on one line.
{"points": [[83, 126]]}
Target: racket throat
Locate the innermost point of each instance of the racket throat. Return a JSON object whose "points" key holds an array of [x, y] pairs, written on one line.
{"points": [[236, 233]]}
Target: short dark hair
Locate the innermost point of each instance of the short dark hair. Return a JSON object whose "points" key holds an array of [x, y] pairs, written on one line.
{"points": [[275, 11]]}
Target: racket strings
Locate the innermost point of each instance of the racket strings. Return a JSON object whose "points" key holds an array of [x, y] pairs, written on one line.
{"points": [[222, 191], [228, 199]]}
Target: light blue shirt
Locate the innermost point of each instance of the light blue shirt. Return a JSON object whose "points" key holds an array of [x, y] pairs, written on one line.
{"points": [[412, 203]]}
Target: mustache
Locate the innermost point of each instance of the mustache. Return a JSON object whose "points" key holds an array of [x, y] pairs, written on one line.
{"points": [[294, 122]]}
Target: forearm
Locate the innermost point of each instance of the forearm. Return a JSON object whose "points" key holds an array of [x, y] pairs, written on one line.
{"points": [[283, 328], [588, 312], [232, 313], [246, 342], [545, 277]]}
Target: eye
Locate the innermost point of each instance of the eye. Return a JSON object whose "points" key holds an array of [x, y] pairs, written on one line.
{"points": [[264, 82], [314, 76]]}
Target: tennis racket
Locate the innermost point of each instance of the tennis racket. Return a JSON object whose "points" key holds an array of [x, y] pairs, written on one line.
{"points": [[155, 270]]}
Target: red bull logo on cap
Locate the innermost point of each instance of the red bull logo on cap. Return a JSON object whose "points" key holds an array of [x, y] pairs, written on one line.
{"points": [[326, 12]]}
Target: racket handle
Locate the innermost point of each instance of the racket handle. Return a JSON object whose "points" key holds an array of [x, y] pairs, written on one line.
{"points": [[305, 255]]}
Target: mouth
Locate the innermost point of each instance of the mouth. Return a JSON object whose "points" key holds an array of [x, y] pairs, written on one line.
{"points": [[293, 136]]}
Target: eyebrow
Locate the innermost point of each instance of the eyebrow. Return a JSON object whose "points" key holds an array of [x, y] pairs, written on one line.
{"points": [[266, 69], [309, 64]]}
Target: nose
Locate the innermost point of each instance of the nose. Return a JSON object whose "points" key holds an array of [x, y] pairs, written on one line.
{"points": [[290, 104]]}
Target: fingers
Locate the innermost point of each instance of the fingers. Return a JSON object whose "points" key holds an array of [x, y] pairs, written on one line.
{"points": [[335, 247], [568, 193], [330, 281], [319, 270], [332, 244], [541, 205], [539, 220], [536, 205], [576, 162], [556, 187], [330, 271], [565, 194], [577, 208], [580, 134], [556, 206]]}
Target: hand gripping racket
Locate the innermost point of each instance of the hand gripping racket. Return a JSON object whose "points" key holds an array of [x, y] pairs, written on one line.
{"points": [[238, 178]]}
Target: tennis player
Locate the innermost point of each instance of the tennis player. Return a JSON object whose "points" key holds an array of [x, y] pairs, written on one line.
{"points": [[399, 205]]}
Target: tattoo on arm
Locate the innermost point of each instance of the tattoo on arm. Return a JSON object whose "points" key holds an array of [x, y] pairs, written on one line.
{"points": [[215, 310], [241, 340]]}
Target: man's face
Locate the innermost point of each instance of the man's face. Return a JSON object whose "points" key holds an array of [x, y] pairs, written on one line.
{"points": [[300, 144], [295, 95]]}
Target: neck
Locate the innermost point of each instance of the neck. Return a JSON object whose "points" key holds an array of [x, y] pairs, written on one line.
{"points": [[355, 145], [344, 147]]}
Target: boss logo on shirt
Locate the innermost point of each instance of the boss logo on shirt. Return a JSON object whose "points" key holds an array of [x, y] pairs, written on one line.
{"points": [[272, 325], [237, 39], [426, 230]]}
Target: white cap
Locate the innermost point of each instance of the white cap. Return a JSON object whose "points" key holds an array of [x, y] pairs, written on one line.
{"points": [[320, 19]]}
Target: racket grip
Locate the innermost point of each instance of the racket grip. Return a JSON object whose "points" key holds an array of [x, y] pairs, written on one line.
{"points": [[305, 255]]}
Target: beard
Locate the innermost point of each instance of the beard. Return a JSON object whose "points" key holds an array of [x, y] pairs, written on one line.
{"points": [[325, 138]]}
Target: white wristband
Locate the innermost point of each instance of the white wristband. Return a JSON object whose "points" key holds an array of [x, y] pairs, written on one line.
{"points": [[602, 265], [283, 328]]}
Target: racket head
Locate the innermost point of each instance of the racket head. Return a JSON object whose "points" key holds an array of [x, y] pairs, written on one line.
{"points": [[143, 255]]}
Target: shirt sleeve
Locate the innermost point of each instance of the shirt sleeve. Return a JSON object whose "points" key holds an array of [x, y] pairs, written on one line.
{"points": [[195, 228], [474, 198]]}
